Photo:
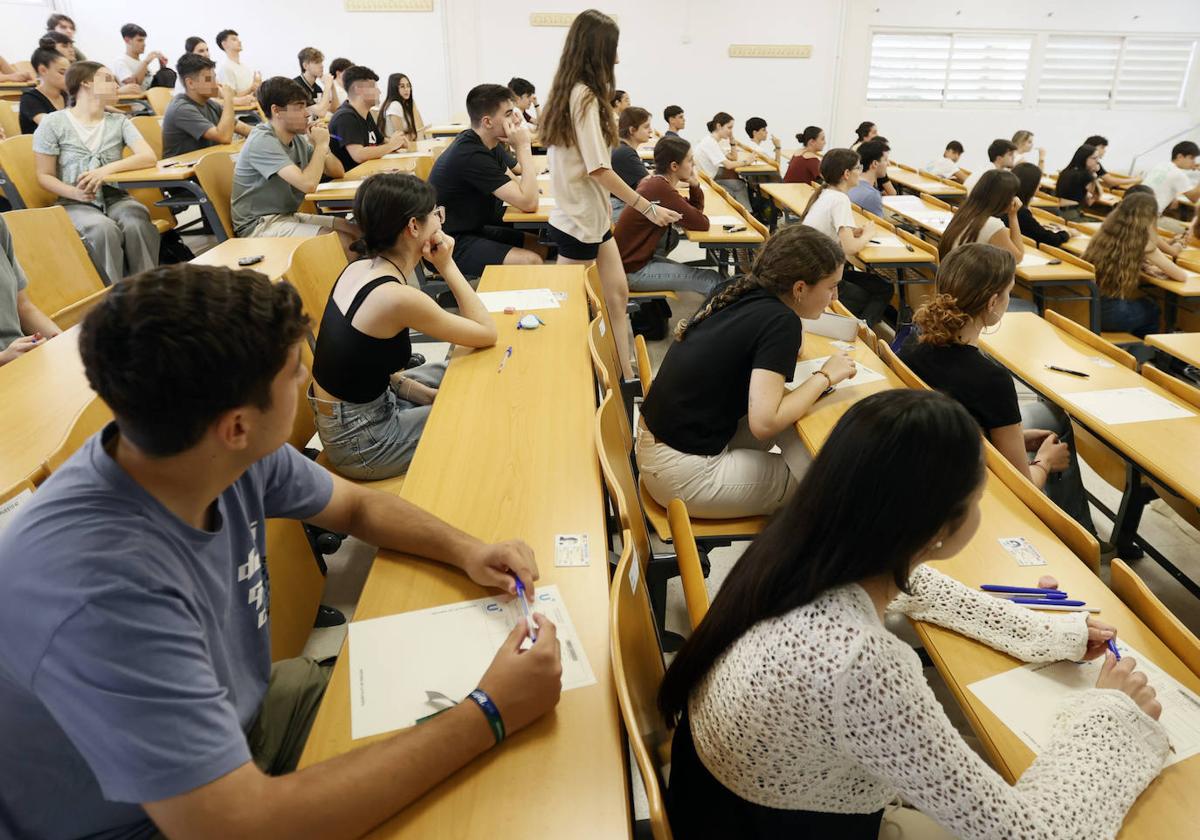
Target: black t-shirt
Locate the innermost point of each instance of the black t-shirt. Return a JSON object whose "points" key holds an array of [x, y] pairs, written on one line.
{"points": [[1032, 228], [1072, 184], [347, 128], [983, 386], [702, 389], [313, 91], [628, 164], [465, 176], [33, 102]]}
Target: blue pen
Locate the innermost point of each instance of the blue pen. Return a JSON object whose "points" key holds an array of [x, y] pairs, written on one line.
{"points": [[525, 609], [1112, 645], [1058, 602], [507, 353], [1022, 590]]}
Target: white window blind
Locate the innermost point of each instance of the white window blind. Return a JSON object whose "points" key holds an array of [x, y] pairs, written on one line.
{"points": [[1154, 71], [948, 67], [908, 68], [988, 68], [1079, 69]]}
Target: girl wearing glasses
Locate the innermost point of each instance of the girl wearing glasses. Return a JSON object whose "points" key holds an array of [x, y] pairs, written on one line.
{"points": [[370, 406]]}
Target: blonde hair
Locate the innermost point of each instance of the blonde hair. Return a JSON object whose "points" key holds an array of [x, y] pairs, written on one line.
{"points": [[967, 279], [1021, 136], [1118, 248]]}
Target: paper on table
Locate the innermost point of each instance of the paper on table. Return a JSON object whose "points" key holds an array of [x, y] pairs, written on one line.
{"points": [[402, 155], [519, 299], [546, 201], [885, 240], [338, 185], [7, 509], [396, 659], [1027, 700], [904, 202], [1128, 405], [1034, 258], [807, 368], [717, 222]]}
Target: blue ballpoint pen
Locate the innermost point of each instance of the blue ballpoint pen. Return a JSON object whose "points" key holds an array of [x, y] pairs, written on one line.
{"points": [[1112, 645], [1058, 602], [1029, 590], [525, 609]]}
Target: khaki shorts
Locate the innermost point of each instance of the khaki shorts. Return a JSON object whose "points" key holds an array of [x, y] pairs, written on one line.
{"points": [[292, 224]]}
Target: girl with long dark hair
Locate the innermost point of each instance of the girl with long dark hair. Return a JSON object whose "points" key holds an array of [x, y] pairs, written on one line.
{"points": [[399, 112], [979, 218]]}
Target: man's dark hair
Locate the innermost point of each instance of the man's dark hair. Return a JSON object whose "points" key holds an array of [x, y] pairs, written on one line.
{"points": [[669, 150], [222, 35], [357, 73], [754, 124], [999, 148], [671, 111], [521, 87], [280, 91], [173, 348], [1096, 140], [192, 42], [1185, 148], [56, 19], [132, 30], [44, 57], [483, 100], [52, 39], [189, 64], [871, 151], [954, 146], [338, 65]]}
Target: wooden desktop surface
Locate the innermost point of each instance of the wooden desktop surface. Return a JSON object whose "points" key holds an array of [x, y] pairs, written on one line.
{"points": [[1183, 346]]}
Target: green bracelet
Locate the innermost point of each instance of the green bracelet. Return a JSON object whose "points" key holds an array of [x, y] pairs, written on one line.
{"points": [[490, 712]]}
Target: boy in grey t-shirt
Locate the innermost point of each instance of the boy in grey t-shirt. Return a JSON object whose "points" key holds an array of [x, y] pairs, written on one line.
{"points": [[195, 119], [136, 681]]}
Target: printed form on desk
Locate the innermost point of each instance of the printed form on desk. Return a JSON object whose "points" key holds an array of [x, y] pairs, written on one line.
{"points": [[1027, 700], [519, 299], [398, 661], [808, 367]]}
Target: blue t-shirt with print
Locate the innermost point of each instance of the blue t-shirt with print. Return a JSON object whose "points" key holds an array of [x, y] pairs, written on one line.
{"points": [[136, 649]]}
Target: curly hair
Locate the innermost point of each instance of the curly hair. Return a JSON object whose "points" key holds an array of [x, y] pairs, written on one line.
{"points": [[967, 280], [1118, 248]]}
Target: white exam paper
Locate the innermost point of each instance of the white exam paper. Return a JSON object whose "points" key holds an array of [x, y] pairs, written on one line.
{"points": [[1034, 258], [396, 659], [1027, 700], [1128, 405], [519, 299], [805, 369], [338, 185]]}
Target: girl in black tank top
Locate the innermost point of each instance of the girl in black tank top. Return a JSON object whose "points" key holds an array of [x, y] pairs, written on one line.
{"points": [[370, 411]]}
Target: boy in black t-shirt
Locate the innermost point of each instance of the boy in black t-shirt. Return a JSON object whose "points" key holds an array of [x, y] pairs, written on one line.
{"points": [[356, 137]]}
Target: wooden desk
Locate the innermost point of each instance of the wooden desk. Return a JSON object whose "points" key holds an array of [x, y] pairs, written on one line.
{"points": [[916, 183], [338, 196], [448, 130], [724, 244], [13, 90], [276, 252], [930, 218], [505, 455], [815, 426], [1183, 346], [538, 218]]}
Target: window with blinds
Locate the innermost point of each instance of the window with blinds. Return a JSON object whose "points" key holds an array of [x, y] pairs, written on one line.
{"points": [[1154, 72], [1078, 70], [988, 68], [1116, 71], [908, 68]]}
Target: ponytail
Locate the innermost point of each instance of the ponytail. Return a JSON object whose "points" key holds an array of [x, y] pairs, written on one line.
{"points": [[721, 298], [834, 166], [940, 320], [719, 118]]}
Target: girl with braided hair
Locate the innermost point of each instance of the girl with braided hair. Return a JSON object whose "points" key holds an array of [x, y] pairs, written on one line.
{"points": [[719, 401]]}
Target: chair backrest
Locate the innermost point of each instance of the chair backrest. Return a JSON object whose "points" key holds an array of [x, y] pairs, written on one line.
{"points": [[595, 291], [314, 269], [63, 281], [1190, 394], [638, 673], [150, 128], [304, 426], [618, 473], [645, 369], [159, 98], [10, 119], [695, 593], [17, 161], [215, 174], [1146, 606], [1083, 334], [91, 418], [296, 586], [936, 202], [1074, 536], [903, 372], [608, 371]]}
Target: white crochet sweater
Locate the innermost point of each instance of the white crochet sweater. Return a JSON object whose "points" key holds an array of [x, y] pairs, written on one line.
{"points": [[823, 709]]}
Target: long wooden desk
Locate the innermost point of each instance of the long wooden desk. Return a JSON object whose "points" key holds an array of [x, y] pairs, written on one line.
{"points": [[504, 455], [1183, 346], [916, 183], [338, 196], [276, 252], [1166, 808], [448, 130]]}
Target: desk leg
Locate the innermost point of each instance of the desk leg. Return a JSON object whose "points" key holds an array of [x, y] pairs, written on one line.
{"points": [[1129, 515], [1170, 310], [1094, 305], [207, 210]]}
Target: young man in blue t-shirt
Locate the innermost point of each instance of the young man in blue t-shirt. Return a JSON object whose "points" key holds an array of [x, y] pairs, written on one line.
{"points": [[137, 691]]}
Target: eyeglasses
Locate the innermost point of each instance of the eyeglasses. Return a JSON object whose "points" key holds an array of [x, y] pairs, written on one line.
{"points": [[440, 213]]}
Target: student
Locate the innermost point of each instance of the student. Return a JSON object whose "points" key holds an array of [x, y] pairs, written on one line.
{"points": [[8, 73], [1077, 186], [23, 327], [1125, 245], [974, 284], [765, 143], [133, 71], [524, 99], [315, 81], [473, 183], [146, 696], [195, 119], [675, 119], [640, 240], [1171, 180], [196, 44], [719, 402], [805, 167], [620, 101], [828, 210], [63, 25], [336, 68], [355, 133], [401, 111], [279, 165], [947, 165], [75, 149], [865, 131], [1108, 179], [244, 81], [1029, 179], [578, 129], [633, 127], [1000, 153], [873, 156], [798, 713], [370, 411], [1023, 140], [50, 95], [717, 157], [61, 44], [979, 219]]}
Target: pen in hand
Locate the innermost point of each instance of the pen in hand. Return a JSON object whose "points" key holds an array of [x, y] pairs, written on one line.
{"points": [[532, 625]]}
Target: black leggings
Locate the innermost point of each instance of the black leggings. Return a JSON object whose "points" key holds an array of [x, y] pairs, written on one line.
{"points": [[865, 294]]}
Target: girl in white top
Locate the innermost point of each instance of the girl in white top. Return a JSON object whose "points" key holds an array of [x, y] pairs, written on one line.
{"points": [[1026, 153], [801, 715], [579, 131], [977, 220], [717, 157], [400, 110]]}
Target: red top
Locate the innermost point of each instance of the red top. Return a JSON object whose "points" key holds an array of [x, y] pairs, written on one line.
{"points": [[637, 237], [802, 170]]}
